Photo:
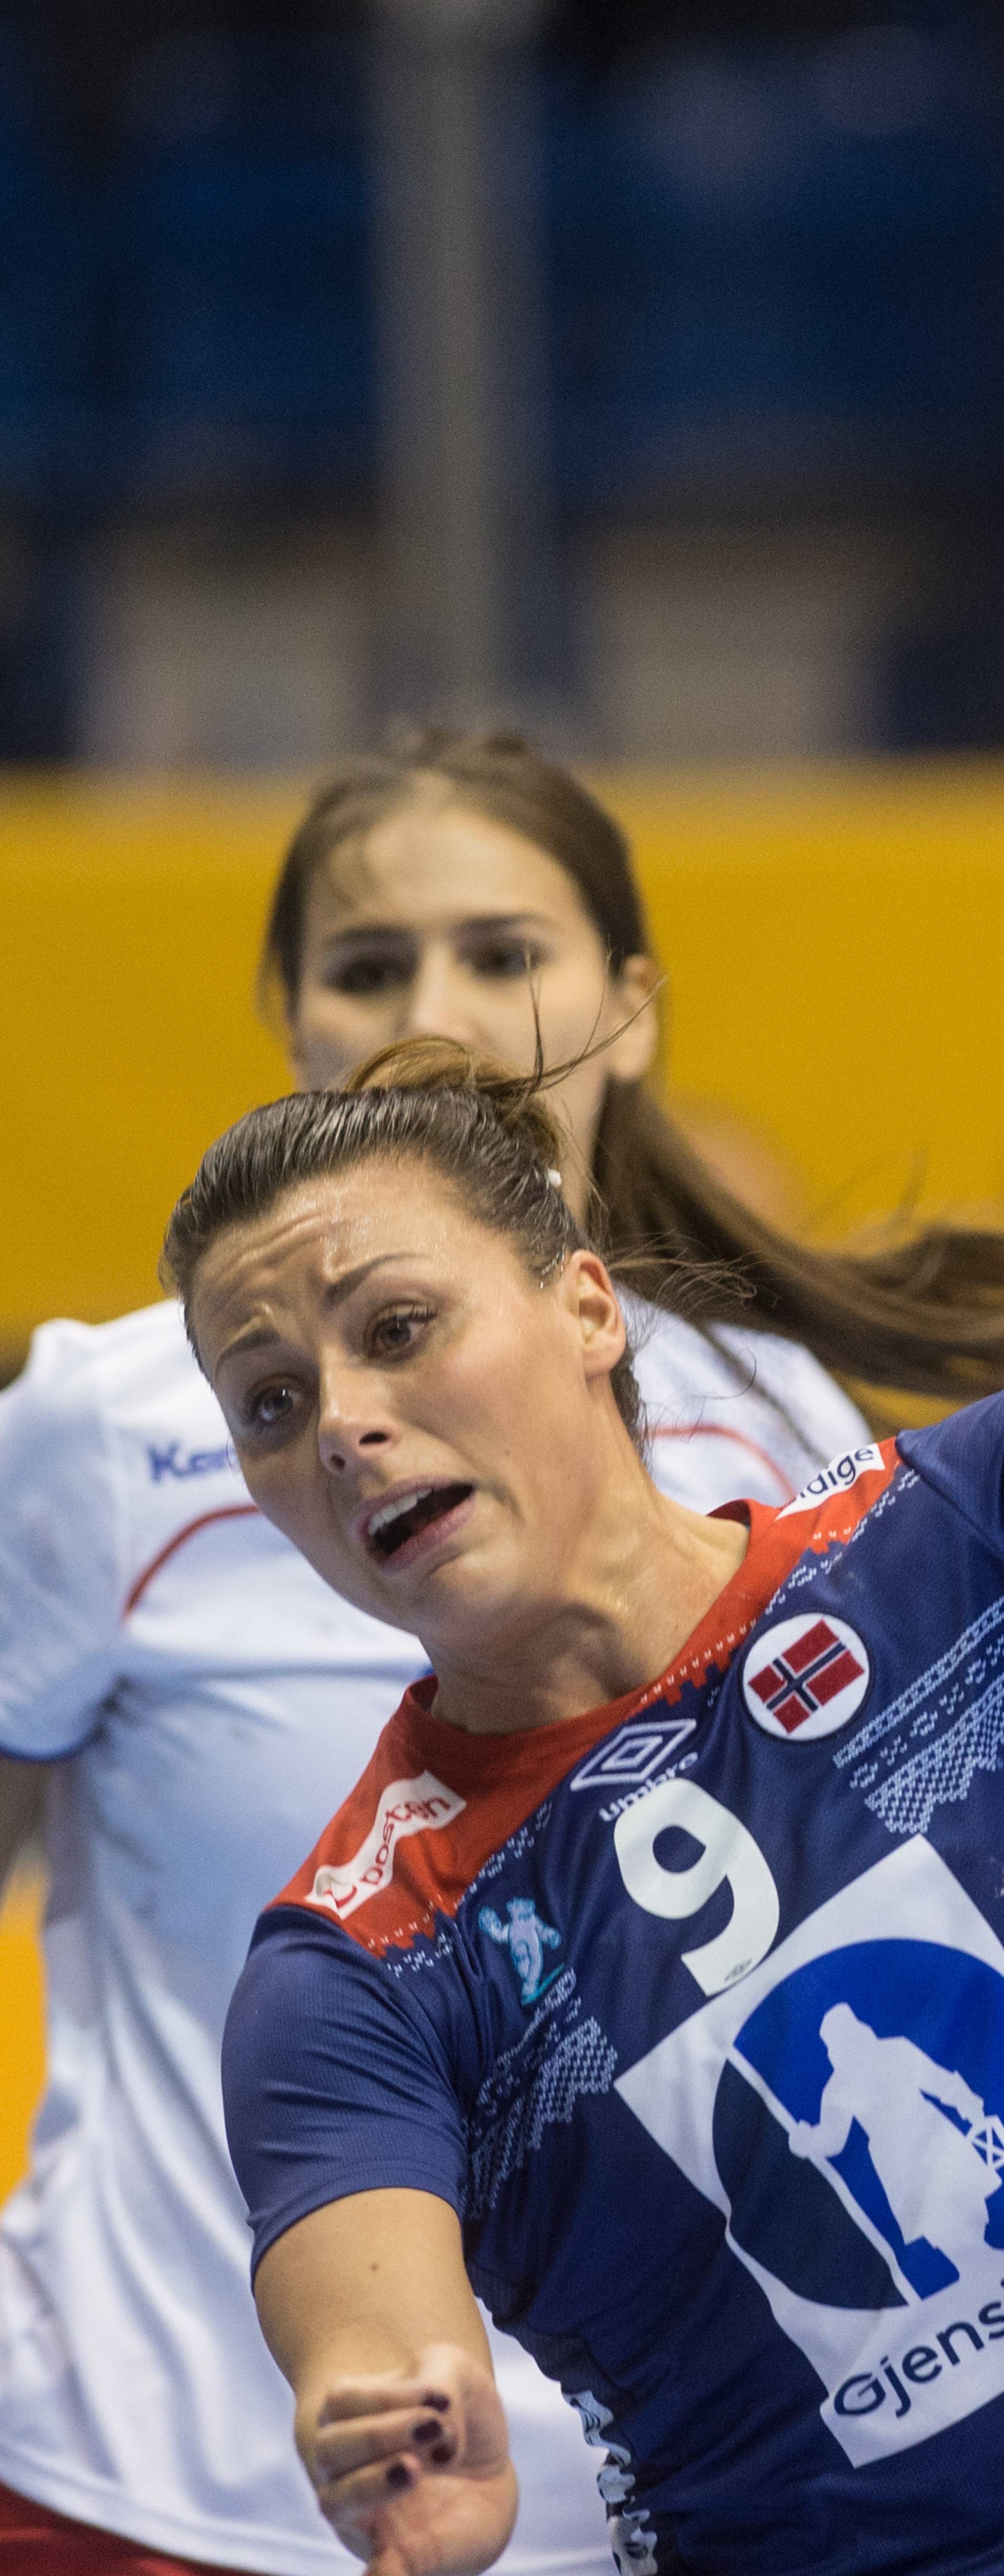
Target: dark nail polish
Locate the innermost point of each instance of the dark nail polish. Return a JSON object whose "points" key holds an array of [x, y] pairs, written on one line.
{"points": [[425, 2432], [398, 2476], [442, 2454], [441, 2403]]}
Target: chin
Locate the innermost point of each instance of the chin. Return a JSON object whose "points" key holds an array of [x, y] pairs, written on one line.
{"points": [[466, 1617], [352, 1583]]}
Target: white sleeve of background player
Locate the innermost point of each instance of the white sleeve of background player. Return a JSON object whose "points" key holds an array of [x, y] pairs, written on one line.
{"points": [[826, 1418], [60, 1558]]}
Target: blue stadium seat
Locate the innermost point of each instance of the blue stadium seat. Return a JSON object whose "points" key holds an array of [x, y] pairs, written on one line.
{"points": [[776, 265], [47, 424], [237, 223]]}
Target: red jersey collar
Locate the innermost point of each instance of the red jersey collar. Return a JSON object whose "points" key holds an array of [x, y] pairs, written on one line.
{"points": [[435, 1802]]}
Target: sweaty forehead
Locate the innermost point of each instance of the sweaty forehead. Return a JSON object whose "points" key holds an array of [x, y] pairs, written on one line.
{"points": [[383, 1208], [257, 1259]]}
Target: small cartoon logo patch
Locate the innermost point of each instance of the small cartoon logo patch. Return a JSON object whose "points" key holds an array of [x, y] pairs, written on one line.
{"points": [[526, 1938], [806, 1677]]}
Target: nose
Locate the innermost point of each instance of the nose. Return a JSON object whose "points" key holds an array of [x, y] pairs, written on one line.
{"points": [[437, 1004], [348, 1429]]}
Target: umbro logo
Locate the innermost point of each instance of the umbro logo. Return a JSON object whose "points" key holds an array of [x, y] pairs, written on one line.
{"points": [[806, 1677], [628, 1758]]}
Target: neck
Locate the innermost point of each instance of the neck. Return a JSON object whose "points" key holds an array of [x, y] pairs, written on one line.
{"points": [[641, 1582]]}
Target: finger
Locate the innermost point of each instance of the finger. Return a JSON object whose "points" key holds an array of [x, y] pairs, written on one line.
{"points": [[341, 2448], [382, 2482], [379, 2396]]}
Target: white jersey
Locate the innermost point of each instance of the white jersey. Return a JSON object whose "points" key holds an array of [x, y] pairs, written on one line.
{"points": [[208, 1703]]}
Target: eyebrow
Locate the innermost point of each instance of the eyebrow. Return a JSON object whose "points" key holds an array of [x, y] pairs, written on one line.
{"points": [[262, 1337], [474, 923]]}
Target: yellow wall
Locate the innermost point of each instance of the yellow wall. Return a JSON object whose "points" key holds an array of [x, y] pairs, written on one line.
{"points": [[20, 2026], [835, 941], [131, 920]]}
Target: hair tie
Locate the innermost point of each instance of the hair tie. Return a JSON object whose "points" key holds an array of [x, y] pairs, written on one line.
{"points": [[555, 1180]]}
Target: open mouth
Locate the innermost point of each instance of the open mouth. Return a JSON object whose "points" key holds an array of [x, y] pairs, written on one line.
{"points": [[390, 1529]]}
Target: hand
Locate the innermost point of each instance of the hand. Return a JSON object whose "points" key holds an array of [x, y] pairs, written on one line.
{"points": [[414, 2474]]}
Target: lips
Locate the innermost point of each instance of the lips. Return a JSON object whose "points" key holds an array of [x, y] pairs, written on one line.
{"points": [[415, 1511]]}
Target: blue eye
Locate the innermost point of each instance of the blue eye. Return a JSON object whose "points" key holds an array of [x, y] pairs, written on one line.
{"points": [[274, 1404]]}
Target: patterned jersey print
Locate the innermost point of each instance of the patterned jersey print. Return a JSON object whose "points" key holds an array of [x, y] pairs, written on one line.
{"points": [[693, 2007]]}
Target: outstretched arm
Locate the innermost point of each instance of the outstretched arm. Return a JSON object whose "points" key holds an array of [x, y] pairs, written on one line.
{"points": [[367, 2308], [825, 2136]]}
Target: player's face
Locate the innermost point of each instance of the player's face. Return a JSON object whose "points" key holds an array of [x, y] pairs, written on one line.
{"points": [[419, 1416], [443, 924]]}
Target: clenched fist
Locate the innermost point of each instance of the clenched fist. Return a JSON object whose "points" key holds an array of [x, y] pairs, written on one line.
{"points": [[414, 2473]]}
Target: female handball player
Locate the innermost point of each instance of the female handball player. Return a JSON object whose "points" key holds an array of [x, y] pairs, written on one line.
{"points": [[651, 1981], [205, 1700]]}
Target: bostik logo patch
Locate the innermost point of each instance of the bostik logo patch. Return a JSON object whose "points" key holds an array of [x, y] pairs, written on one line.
{"points": [[806, 1676], [406, 1807], [843, 2106]]}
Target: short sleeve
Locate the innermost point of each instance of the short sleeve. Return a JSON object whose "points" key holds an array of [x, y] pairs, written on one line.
{"points": [[734, 1413], [59, 1554], [963, 1458], [334, 2080], [789, 1376]]}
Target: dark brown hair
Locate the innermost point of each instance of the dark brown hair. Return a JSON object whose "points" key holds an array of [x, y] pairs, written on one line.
{"points": [[487, 1131], [924, 1315]]}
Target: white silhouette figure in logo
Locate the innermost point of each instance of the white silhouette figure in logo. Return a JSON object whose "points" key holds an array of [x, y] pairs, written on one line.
{"points": [[525, 1937], [937, 2178]]}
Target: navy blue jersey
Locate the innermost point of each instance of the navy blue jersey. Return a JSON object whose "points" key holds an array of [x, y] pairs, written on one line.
{"points": [[693, 2008]]}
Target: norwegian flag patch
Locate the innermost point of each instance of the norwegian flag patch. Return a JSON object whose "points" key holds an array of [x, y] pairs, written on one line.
{"points": [[806, 1677]]}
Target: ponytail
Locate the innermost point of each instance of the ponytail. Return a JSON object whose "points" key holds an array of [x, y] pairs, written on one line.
{"points": [[925, 1316]]}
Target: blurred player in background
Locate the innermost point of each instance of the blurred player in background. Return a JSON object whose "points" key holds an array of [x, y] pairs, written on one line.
{"points": [[204, 1701]]}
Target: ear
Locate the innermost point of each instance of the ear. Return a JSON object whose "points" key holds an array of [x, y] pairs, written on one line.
{"points": [[632, 999], [591, 1300]]}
